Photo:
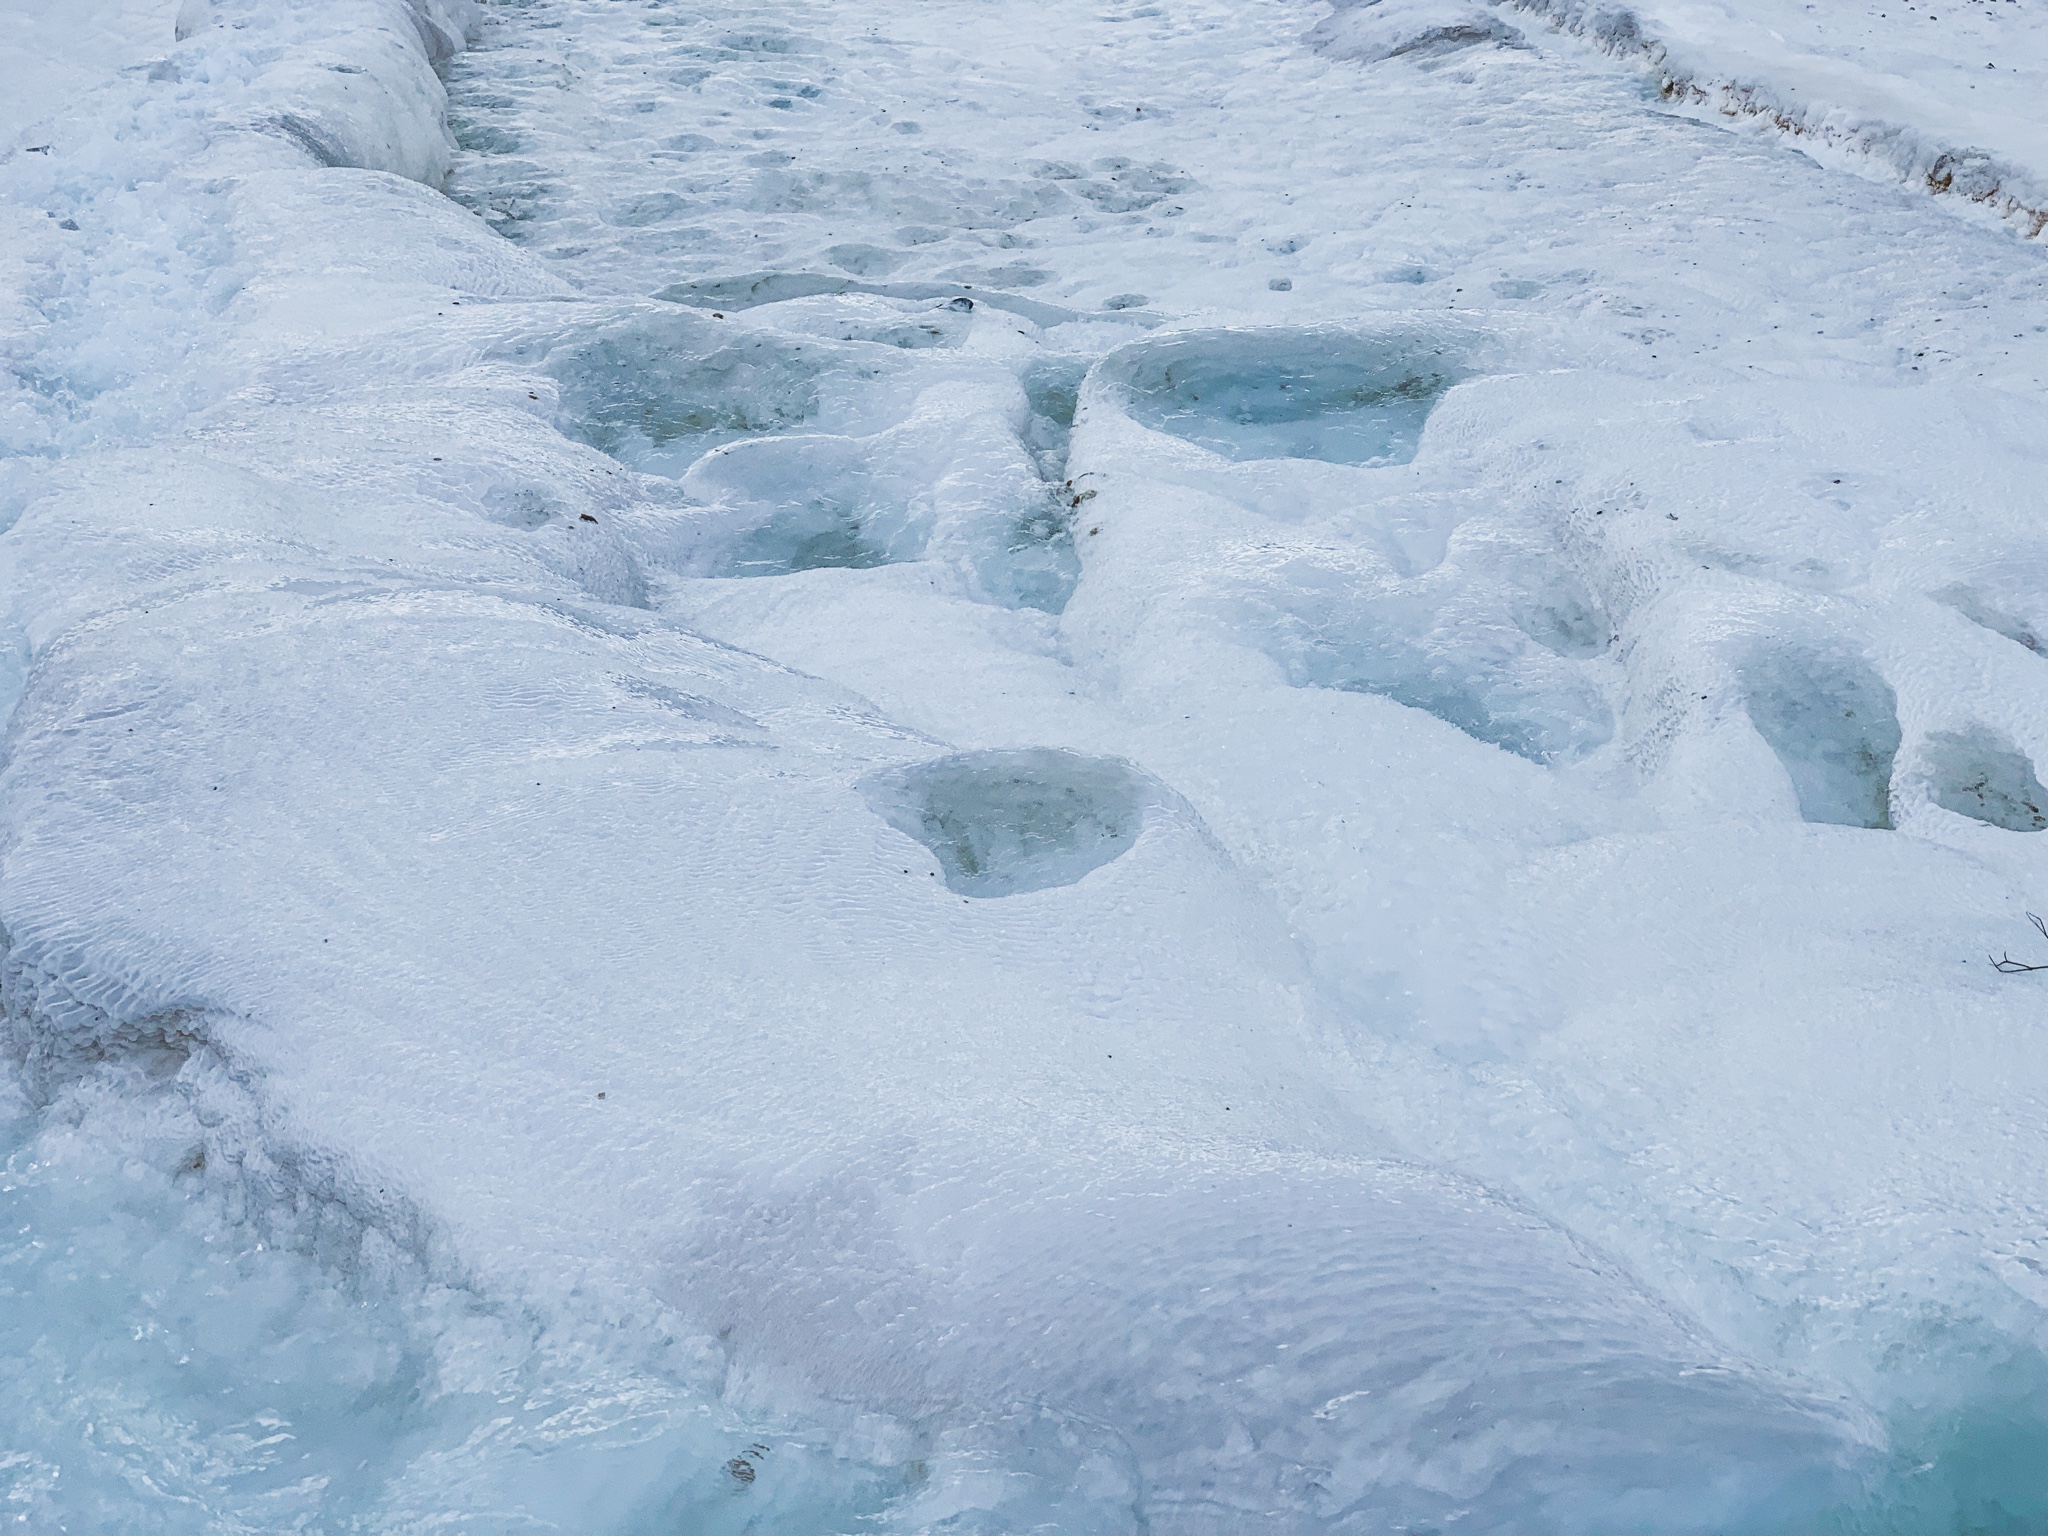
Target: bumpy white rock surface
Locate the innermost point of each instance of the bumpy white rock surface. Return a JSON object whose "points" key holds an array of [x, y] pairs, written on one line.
{"points": [[1186, 767]]}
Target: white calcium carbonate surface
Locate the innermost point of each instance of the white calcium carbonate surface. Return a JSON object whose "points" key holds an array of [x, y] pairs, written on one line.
{"points": [[1186, 767]]}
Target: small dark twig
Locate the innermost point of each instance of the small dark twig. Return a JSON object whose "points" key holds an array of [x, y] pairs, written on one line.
{"points": [[2005, 965]]}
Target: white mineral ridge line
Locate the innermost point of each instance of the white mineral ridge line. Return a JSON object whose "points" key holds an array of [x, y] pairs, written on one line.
{"points": [[1946, 95]]}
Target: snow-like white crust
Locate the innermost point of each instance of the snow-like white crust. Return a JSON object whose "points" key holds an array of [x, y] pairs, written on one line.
{"points": [[1196, 767]]}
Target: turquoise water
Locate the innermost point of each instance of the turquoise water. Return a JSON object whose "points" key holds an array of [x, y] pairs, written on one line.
{"points": [[1291, 395], [166, 1370]]}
